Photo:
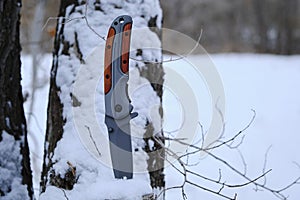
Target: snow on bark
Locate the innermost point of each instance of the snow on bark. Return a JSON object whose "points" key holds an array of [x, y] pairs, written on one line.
{"points": [[69, 166], [15, 172], [10, 169]]}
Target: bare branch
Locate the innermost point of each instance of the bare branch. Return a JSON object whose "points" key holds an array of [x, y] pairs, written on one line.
{"points": [[218, 181], [202, 139], [265, 163], [223, 185], [184, 173], [296, 181], [244, 162], [84, 17], [211, 191], [236, 135], [180, 57], [57, 18], [232, 146], [297, 164], [65, 195], [90, 134]]}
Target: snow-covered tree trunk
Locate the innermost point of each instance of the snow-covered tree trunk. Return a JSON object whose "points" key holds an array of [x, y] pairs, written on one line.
{"points": [[15, 172], [76, 155]]}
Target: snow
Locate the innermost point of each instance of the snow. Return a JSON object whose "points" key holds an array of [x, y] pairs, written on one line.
{"points": [[37, 126], [266, 83], [10, 169], [84, 143]]}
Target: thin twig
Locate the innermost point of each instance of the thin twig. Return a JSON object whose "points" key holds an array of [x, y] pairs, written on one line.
{"points": [[180, 57], [265, 163], [184, 173], [278, 193], [36, 121], [57, 18], [65, 195], [236, 135], [90, 134], [84, 17], [297, 164], [229, 185]]}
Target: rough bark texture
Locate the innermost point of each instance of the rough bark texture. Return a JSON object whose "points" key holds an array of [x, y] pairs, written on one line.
{"points": [[156, 158], [12, 118], [154, 73], [55, 121]]}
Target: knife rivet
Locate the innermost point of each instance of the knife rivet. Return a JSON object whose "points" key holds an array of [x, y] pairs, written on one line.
{"points": [[118, 108], [110, 129]]}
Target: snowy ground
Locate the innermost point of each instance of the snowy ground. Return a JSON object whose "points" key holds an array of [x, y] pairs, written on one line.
{"points": [[266, 83]]}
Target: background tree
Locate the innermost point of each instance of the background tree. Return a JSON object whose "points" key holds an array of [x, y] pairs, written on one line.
{"points": [[267, 26], [15, 172], [68, 168]]}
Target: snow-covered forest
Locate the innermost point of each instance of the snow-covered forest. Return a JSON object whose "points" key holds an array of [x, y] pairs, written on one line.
{"points": [[217, 111]]}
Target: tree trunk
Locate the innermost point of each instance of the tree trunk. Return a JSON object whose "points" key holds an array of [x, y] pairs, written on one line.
{"points": [[69, 168], [287, 23], [15, 172], [261, 26]]}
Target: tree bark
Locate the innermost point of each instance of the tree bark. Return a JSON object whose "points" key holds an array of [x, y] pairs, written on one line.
{"points": [[13, 134], [73, 43], [261, 26], [55, 119], [287, 25]]}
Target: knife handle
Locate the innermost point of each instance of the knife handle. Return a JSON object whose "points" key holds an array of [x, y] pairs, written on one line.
{"points": [[117, 51]]}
